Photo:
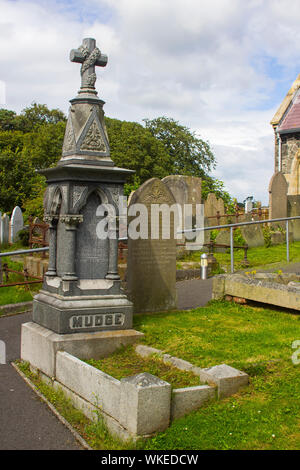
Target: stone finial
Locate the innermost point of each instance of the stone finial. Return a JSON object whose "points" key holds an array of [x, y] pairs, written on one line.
{"points": [[89, 56]]}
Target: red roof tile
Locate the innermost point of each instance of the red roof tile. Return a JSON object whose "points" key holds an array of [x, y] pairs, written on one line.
{"points": [[292, 118]]}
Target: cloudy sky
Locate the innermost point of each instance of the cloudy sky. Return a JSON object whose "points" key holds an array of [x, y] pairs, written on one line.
{"points": [[220, 67]]}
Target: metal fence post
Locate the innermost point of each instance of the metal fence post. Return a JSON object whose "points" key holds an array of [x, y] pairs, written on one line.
{"points": [[231, 250], [287, 242]]}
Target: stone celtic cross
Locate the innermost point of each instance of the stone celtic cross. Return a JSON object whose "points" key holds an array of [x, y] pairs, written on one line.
{"points": [[89, 56]]}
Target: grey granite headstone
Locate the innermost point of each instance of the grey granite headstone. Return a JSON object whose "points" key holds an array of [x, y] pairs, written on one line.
{"points": [[16, 224], [151, 263]]}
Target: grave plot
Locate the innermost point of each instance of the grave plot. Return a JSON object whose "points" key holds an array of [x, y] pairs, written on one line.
{"points": [[135, 406]]}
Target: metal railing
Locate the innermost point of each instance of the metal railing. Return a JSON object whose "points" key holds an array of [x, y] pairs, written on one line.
{"points": [[193, 230], [239, 224]]}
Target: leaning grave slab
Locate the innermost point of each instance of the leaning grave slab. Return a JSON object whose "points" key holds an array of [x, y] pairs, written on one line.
{"points": [[282, 290], [81, 311]]}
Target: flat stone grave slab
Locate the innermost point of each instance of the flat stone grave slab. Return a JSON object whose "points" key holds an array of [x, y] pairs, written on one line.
{"points": [[282, 290]]}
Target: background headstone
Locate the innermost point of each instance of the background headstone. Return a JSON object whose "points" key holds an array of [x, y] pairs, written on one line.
{"points": [[4, 232], [185, 190], [278, 188], [223, 238], [253, 235], [221, 209], [248, 205], [16, 224], [151, 264], [294, 210], [211, 207]]}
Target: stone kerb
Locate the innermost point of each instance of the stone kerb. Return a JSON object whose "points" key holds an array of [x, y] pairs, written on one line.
{"points": [[133, 407]]}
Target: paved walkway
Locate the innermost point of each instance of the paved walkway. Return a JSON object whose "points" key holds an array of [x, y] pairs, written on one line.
{"points": [[25, 421]]}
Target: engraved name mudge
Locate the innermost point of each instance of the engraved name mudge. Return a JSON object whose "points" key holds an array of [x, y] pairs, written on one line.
{"points": [[104, 320]]}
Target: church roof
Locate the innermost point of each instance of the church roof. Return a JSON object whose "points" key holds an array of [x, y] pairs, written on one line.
{"points": [[288, 114], [291, 121]]}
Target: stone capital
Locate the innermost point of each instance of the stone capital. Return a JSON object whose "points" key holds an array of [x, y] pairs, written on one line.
{"points": [[71, 220], [51, 220]]}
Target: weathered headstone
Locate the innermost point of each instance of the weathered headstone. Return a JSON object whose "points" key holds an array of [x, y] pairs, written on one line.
{"points": [[151, 263], [16, 224], [223, 238], [294, 210], [253, 235], [186, 190], [4, 232], [278, 188], [211, 207], [221, 209]]}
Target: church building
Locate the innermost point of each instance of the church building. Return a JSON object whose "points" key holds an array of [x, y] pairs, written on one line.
{"points": [[286, 125]]}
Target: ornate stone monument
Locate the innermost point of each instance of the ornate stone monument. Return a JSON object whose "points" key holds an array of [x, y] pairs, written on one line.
{"points": [[81, 290]]}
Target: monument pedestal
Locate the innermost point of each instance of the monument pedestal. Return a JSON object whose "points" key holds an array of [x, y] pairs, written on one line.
{"points": [[40, 345], [85, 306], [81, 308]]}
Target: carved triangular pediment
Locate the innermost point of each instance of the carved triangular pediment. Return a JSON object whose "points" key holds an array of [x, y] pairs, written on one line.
{"points": [[93, 140], [69, 144]]}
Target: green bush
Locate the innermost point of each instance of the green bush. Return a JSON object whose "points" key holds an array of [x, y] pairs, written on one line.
{"points": [[24, 236]]}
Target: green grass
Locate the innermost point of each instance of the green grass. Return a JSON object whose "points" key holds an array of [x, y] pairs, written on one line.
{"points": [[126, 362], [257, 257], [264, 415], [255, 340], [15, 294]]}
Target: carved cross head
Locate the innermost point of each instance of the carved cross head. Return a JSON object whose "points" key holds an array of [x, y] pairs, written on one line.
{"points": [[89, 56]]}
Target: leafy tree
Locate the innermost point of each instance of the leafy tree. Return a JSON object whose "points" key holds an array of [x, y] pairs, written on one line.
{"points": [[212, 185], [33, 140], [28, 142], [43, 145], [189, 155], [134, 147], [7, 120], [38, 114], [16, 177]]}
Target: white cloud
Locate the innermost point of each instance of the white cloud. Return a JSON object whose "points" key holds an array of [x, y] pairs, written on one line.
{"points": [[204, 63]]}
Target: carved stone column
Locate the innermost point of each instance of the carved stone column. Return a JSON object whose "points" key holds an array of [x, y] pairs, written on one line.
{"points": [[113, 249], [52, 221], [71, 223]]}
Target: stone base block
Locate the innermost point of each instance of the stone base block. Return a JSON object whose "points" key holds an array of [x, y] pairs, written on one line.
{"points": [[145, 404], [227, 379], [39, 345], [185, 400], [72, 315]]}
